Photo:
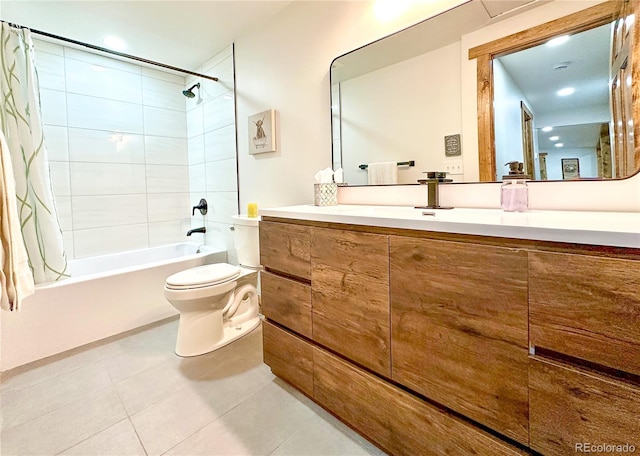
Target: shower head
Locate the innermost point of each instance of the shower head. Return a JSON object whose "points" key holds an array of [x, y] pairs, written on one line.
{"points": [[189, 92]]}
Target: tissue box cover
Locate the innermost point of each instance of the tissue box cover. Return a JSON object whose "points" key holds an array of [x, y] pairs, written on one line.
{"points": [[325, 194]]}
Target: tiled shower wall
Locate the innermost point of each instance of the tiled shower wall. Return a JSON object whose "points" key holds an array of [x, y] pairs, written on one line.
{"points": [[211, 131], [116, 134]]}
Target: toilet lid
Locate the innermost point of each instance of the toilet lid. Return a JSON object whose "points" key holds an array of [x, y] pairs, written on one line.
{"points": [[202, 276]]}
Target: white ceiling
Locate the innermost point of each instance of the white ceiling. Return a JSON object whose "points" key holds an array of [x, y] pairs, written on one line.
{"points": [[180, 33]]}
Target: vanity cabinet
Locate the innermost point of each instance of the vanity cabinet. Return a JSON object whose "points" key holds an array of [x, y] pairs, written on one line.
{"points": [[459, 328], [439, 343]]}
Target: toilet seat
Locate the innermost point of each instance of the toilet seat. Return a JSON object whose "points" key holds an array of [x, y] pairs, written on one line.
{"points": [[202, 276]]}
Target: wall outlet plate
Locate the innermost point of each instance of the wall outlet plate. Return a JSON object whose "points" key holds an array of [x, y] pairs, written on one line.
{"points": [[453, 167]]}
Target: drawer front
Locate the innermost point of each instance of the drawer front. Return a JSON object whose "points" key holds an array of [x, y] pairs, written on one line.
{"points": [[586, 307], [289, 357], [570, 409], [285, 248], [398, 422], [287, 302], [350, 295], [459, 328]]}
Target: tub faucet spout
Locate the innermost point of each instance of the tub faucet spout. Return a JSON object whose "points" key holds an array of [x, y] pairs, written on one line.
{"points": [[202, 229]]}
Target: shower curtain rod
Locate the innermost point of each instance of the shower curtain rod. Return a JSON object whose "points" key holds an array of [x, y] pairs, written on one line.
{"points": [[109, 51]]}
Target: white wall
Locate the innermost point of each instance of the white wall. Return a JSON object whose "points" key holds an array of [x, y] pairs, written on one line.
{"points": [[507, 118], [588, 162], [399, 123], [116, 139], [285, 64]]}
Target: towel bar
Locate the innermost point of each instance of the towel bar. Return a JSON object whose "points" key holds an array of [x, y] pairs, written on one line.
{"points": [[406, 163]]}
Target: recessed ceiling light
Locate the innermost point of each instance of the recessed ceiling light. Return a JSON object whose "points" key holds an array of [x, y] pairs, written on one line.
{"points": [[114, 43], [558, 144], [558, 41], [554, 138], [547, 129], [566, 91]]}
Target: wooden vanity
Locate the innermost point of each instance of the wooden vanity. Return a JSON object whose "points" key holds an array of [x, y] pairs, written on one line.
{"points": [[431, 342]]}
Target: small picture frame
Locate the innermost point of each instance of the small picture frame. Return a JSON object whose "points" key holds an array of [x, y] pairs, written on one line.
{"points": [[262, 132], [570, 168]]}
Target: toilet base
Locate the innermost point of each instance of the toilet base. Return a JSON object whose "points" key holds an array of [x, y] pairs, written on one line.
{"points": [[186, 347]]}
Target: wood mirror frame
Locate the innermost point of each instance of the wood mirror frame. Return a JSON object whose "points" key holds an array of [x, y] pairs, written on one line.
{"points": [[598, 15]]}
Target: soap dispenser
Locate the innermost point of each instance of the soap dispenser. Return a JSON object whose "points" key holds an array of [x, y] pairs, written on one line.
{"points": [[514, 193]]}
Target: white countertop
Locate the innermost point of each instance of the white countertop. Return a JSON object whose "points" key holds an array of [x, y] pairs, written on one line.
{"points": [[619, 229]]}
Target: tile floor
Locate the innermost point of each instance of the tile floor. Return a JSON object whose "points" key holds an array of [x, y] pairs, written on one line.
{"points": [[130, 395]]}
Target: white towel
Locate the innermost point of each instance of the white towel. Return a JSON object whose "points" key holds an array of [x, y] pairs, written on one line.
{"points": [[16, 279], [383, 173]]}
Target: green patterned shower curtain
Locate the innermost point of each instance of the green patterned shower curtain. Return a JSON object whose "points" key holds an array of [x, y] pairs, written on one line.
{"points": [[22, 127]]}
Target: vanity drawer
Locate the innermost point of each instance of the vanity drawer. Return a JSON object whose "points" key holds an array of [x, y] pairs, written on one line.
{"points": [[288, 356], [287, 302], [570, 407], [586, 307], [285, 248], [400, 423]]}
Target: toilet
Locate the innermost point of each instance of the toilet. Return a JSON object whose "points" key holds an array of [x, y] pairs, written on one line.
{"points": [[218, 303]]}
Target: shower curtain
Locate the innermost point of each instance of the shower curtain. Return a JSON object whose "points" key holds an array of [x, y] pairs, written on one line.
{"points": [[22, 127]]}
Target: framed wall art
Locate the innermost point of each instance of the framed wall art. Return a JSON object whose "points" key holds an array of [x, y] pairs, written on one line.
{"points": [[262, 132], [570, 168]]}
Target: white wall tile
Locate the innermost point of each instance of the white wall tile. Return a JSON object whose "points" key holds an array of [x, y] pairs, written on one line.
{"points": [[196, 150], [102, 114], [105, 61], [54, 107], [107, 179], [222, 176], [50, 70], [164, 122], [46, 46], [63, 209], [167, 179], [171, 232], [219, 112], [164, 75], [67, 243], [206, 67], [99, 81], [197, 179], [222, 205], [223, 70], [60, 181], [108, 210], [195, 121], [219, 235], [100, 146], [168, 206], [163, 94], [100, 241], [57, 141], [166, 151], [220, 144]]}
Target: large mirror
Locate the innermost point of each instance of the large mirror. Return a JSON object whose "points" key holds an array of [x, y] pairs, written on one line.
{"points": [[474, 88]]}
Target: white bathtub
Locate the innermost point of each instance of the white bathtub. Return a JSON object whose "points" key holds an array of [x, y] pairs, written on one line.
{"points": [[105, 295]]}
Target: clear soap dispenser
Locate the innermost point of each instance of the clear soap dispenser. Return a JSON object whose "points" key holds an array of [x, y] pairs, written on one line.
{"points": [[514, 193]]}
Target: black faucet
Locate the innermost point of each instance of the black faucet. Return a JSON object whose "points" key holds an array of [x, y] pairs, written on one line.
{"points": [[202, 207], [202, 229]]}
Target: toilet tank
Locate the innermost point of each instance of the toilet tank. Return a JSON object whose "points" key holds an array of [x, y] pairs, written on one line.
{"points": [[247, 240]]}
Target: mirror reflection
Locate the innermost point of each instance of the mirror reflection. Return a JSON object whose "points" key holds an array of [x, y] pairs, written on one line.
{"points": [[404, 99]]}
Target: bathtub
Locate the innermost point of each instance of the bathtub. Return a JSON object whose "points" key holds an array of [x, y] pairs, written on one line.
{"points": [[105, 295]]}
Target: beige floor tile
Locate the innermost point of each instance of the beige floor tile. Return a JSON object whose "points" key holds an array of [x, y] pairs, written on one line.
{"points": [[255, 427], [64, 427], [44, 397], [324, 435], [118, 440], [135, 361]]}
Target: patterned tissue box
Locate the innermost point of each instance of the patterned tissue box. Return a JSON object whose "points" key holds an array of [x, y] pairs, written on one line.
{"points": [[325, 194]]}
